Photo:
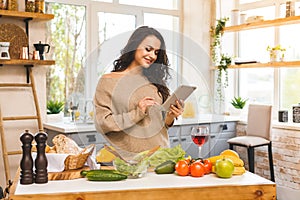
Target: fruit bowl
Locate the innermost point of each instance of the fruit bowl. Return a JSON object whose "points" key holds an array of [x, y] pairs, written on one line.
{"points": [[131, 169]]}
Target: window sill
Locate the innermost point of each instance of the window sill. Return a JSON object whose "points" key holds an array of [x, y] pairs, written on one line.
{"points": [[286, 125], [279, 125]]}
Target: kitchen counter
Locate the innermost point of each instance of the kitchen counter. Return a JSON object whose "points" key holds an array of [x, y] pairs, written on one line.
{"points": [[70, 127], [152, 186]]}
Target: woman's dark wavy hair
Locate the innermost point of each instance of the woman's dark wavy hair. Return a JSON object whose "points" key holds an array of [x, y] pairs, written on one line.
{"points": [[158, 72]]}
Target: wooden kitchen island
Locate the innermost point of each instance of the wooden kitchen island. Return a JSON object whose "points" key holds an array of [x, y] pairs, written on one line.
{"points": [[151, 187]]}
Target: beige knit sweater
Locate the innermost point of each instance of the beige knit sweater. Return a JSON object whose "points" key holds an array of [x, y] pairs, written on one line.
{"points": [[119, 119]]}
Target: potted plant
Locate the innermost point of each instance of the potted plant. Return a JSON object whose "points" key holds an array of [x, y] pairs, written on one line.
{"points": [[276, 53], [238, 103], [55, 111]]}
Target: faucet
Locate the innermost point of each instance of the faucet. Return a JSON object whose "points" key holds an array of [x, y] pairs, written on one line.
{"points": [[86, 109]]}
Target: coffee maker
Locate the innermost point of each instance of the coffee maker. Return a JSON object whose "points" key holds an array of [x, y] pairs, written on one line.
{"points": [[4, 47], [41, 48]]}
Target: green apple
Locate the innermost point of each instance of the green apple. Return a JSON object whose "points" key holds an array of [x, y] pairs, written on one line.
{"points": [[224, 168]]}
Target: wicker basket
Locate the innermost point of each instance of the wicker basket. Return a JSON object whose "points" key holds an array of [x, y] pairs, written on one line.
{"points": [[78, 161]]}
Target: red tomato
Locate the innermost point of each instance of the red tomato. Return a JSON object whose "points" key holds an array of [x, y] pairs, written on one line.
{"points": [[182, 168], [207, 166], [188, 160], [197, 169]]}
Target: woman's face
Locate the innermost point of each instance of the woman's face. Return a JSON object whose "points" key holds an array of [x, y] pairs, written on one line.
{"points": [[146, 53]]}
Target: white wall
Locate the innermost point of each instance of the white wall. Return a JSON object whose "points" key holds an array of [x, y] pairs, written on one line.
{"points": [[197, 53], [19, 101]]}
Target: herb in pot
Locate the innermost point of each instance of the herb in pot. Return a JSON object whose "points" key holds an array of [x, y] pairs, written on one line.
{"points": [[55, 107], [238, 102]]}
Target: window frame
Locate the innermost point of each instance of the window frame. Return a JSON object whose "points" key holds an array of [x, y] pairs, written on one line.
{"points": [[276, 71], [93, 7]]}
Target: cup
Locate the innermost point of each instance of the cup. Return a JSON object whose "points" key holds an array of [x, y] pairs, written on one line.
{"points": [[36, 55], [242, 18], [235, 17], [24, 53]]}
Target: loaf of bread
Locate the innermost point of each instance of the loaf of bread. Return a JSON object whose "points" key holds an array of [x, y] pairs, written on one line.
{"points": [[66, 145]]}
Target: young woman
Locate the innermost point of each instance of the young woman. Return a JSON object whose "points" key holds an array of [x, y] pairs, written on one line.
{"points": [[128, 100]]}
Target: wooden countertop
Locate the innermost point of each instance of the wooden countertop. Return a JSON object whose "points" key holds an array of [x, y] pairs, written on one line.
{"points": [[152, 186]]}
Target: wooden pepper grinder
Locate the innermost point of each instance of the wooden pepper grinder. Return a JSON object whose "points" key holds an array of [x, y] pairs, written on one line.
{"points": [[41, 163], [26, 163]]}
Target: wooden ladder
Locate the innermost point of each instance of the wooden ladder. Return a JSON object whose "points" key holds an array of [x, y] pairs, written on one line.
{"points": [[30, 83]]}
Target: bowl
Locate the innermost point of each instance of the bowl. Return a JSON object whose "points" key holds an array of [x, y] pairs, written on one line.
{"points": [[131, 169]]}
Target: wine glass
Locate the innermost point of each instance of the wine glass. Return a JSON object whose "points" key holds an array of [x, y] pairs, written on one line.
{"points": [[199, 136]]}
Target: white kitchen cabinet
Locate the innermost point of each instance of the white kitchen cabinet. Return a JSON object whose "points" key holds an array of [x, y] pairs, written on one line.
{"points": [[219, 134]]}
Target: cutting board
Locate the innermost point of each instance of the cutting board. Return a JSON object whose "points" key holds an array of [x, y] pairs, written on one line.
{"points": [[66, 175]]}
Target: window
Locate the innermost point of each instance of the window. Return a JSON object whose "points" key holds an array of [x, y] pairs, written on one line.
{"points": [[165, 4], [169, 26], [257, 85], [78, 42], [289, 87], [289, 77], [112, 25], [68, 39], [276, 86]]}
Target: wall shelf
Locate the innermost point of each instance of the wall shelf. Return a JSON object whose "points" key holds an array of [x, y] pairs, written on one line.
{"points": [[287, 64], [264, 24], [26, 15], [26, 62]]}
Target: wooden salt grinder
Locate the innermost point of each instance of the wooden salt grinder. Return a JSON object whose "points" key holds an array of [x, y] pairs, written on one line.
{"points": [[41, 163], [26, 164]]}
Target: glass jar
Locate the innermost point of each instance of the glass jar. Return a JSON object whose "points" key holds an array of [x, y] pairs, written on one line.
{"points": [[29, 6], [3, 4], [39, 6], [12, 5]]}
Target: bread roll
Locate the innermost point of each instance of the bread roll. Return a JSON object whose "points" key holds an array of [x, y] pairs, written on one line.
{"points": [[65, 145]]}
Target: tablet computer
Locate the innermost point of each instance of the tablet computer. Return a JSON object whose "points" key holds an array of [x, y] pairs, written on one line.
{"points": [[181, 93]]}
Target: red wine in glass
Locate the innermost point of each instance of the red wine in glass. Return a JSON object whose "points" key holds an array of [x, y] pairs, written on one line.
{"points": [[199, 136], [199, 139]]}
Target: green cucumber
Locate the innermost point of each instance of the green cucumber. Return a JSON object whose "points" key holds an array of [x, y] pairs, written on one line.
{"points": [[167, 167], [85, 172], [104, 175]]}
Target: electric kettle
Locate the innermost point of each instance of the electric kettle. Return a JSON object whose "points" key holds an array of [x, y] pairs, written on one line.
{"points": [[41, 48]]}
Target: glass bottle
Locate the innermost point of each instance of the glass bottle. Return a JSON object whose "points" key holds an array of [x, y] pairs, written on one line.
{"points": [[12, 5]]}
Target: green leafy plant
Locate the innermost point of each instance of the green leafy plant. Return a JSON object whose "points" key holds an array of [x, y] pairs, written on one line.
{"points": [[222, 67], [221, 60], [55, 107], [238, 102], [216, 34]]}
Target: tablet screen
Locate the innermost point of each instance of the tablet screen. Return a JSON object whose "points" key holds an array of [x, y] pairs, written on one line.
{"points": [[181, 93]]}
